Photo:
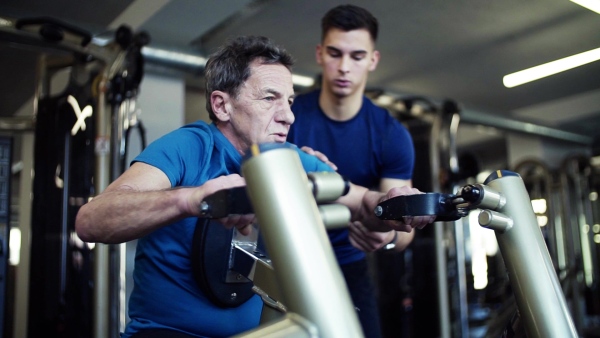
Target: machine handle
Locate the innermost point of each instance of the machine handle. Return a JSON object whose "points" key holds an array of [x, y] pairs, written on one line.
{"points": [[225, 202], [426, 204]]}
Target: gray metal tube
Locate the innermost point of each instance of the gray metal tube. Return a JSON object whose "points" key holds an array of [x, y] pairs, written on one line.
{"points": [[440, 246], [459, 236], [101, 251], [503, 123], [311, 282], [537, 290]]}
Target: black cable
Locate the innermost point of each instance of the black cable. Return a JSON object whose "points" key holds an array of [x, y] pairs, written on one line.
{"points": [[142, 133]]}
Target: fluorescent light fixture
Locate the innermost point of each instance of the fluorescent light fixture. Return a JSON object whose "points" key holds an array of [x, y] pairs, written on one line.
{"points": [[539, 206], [551, 68], [14, 246], [592, 5], [302, 81], [4, 22]]}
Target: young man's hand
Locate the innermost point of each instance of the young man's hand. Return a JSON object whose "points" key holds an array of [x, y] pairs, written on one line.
{"points": [[320, 156]]}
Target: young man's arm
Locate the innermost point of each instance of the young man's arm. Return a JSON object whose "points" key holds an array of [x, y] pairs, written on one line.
{"points": [[362, 203], [403, 239], [367, 240]]}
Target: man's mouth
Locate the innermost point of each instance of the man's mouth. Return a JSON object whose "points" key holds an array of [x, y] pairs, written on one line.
{"points": [[342, 83], [280, 137]]}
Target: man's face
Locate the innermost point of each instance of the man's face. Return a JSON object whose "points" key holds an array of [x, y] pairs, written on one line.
{"points": [[346, 59], [261, 113]]}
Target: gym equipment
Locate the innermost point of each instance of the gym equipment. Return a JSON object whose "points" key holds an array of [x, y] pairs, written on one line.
{"points": [[64, 160], [6, 144], [436, 251], [291, 265], [224, 261], [569, 217], [311, 283], [507, 210], [73, 290]]}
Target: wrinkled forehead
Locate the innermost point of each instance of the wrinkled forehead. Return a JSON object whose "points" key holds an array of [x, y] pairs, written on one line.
{"points": [[273, 76]]}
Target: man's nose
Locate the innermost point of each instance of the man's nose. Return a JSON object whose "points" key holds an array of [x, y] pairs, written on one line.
{"points": [[344, 65], [286, 115]]}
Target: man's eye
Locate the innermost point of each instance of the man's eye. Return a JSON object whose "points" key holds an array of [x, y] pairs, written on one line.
{"points": [[270, 98], [358, 57]]}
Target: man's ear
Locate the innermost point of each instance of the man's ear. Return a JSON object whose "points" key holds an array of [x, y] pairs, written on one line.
{"points": [[318, 54], [374, 60], [219, 102]]}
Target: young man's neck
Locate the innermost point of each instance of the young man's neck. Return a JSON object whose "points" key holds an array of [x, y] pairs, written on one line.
{"points": [[340, 108]]}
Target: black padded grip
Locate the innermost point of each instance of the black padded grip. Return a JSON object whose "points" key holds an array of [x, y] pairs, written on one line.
{"points": [[419, 205], [225, 202]]}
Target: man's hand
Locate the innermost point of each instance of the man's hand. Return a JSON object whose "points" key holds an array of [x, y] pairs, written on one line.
{"points": [[370, 201], [240, 222], [408, 222], [366, 240], [319, 155], [243, 223]]}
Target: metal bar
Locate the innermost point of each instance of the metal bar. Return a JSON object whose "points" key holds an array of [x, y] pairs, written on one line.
{"points": [[101, 251], [523, 127], [64, 222], [440, 246], [538, 293], [27, 39], [311, 282], [459, 236]]}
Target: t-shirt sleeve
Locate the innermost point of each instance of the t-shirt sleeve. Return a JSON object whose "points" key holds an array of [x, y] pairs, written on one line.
{"points": [[398, 152], [172, 154]]}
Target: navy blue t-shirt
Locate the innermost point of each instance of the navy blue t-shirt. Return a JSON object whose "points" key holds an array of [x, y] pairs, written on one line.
{"points": [[370, 146]]}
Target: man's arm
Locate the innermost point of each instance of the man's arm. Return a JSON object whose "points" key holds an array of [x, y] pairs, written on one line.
{"points": [[403, 238], [141, 201], [362, 203], [367, 240]]}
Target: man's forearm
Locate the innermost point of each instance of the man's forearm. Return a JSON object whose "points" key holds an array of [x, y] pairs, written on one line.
{"points": [[362, 203], [123, 215], [404, 239]]}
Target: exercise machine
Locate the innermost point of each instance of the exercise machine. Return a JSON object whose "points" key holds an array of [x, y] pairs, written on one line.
{"points": [[291, 265], [80, 136], [296, 273], [506, 209]]}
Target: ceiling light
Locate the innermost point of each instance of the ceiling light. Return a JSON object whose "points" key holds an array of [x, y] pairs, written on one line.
{"points": [[592, 5], [550, 68], [302, 81]]}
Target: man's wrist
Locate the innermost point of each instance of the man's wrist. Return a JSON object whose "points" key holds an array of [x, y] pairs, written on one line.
{"points": [[392, 243]]}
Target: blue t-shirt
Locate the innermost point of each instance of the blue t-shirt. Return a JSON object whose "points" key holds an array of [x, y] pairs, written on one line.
{"points": [[370, 146], [165, 293]]}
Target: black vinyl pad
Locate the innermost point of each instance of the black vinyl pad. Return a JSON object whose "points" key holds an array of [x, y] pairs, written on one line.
{"points": [[211, 249]]}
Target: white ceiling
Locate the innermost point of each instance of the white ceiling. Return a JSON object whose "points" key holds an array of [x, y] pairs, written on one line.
{"points": [[439, 49]]}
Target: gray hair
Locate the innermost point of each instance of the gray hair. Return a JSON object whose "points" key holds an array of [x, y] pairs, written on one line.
{"points": [[228, 68]]}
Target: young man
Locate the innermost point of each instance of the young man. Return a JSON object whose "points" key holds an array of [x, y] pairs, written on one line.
{"points": [[249, 93], [369, 147]]}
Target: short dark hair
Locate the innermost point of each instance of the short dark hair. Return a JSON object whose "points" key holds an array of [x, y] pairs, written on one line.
{"points": [[348, 18], [229, 67]]}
